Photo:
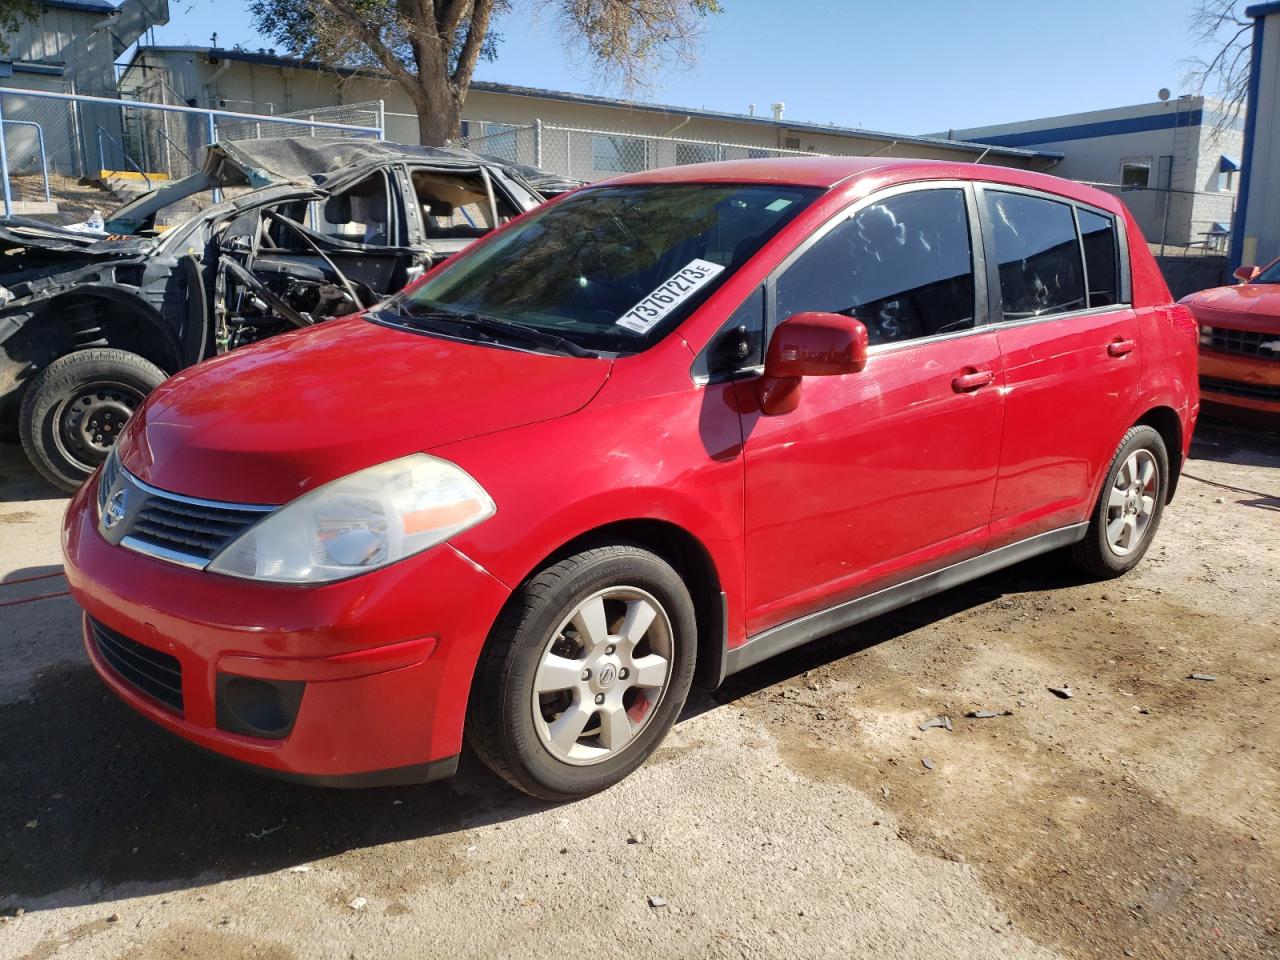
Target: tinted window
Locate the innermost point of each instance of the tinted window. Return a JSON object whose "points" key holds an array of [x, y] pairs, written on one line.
{"points": [[902, 266], [1099, 235], [1038, 254]]}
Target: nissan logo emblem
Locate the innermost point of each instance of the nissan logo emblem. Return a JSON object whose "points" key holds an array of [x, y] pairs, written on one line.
{"points": [[115, 508]]}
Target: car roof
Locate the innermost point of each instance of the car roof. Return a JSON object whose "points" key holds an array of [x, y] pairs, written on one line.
{"points": [[828, 172]]}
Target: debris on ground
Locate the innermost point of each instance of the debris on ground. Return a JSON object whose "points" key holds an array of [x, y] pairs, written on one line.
{"points": [[266, 832], [657, 902], [928, 764], [884, 792], [300, 868], [1063, 692], [114, 918], [988, 714], [1202, 676], [358, 903], [635, 837], [943, 722]]}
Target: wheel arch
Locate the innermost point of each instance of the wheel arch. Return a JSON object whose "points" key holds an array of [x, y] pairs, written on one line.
{"points": [[149, 336], [691, 560], [1166, 422]]}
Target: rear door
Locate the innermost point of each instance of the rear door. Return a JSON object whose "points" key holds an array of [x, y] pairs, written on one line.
{"points": [[1060, 303], [887, 473]]}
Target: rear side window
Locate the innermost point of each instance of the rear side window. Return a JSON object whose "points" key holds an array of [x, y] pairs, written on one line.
{"points": [[1098, 234], [903, 266], [1039, 256]]}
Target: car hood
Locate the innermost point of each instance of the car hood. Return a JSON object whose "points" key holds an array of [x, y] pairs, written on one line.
{"points": [[1246, 306], [269, 422]]}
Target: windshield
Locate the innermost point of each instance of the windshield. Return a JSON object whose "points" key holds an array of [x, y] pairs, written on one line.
{"points": [[613, 268], [1269, 275]]}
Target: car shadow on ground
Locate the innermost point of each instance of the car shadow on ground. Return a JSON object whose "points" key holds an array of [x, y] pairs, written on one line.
{"points": [[19, 482], [93, 796]]}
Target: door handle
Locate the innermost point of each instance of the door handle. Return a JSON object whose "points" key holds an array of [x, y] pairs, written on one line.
{"points": [[1119, 347], [972, 380]]}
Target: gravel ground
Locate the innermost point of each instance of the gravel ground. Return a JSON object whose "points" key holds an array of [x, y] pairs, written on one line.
{"points": [[789, 814]]}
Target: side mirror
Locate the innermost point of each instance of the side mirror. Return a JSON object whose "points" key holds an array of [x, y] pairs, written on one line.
{"points": [[809, 345], [1246, 274]]}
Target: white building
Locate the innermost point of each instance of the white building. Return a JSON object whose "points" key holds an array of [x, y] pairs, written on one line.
{"points": [[580, 136], [1176, 165], [1256, 239]]}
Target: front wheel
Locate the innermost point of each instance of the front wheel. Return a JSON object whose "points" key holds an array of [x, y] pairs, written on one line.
{"points": [[75, 408], [585, 672], [1129, 508]]}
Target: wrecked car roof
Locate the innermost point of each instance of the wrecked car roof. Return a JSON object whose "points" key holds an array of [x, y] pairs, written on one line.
{"points": [[311, 160]]}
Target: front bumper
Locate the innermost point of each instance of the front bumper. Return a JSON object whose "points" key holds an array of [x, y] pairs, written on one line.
{"points": [[383, 661], [1242, 382]]}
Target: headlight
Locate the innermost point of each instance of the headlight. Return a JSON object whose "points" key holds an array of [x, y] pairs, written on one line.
{"points": [[359, 523]]}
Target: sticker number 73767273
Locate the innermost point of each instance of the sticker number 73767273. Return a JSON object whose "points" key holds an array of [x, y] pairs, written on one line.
{"points": [[687, 281]]}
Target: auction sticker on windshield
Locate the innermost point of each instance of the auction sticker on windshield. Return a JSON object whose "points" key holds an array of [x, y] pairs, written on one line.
{"points": [[687, 281]]}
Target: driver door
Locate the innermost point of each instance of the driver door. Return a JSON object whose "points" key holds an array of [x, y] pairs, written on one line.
{"points": [[888, 473]]}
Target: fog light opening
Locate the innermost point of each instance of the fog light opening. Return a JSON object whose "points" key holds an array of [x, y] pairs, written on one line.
{"points": [[265, 709]]}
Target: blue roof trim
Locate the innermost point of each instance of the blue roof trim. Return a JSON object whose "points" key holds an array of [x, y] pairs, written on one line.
{"points": [[482, 86], [1234, 253], [85, 6], [1228, 164], [1102, 128], [1262, 10]]}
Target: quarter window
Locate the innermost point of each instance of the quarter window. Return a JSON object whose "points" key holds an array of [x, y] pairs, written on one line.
{"points": [[903, 266], [1038, 254], [1098, 233]]}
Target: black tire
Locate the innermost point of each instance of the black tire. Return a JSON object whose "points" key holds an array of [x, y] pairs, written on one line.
{"points": [[500, 720], [1095, 554], [75, 408]]}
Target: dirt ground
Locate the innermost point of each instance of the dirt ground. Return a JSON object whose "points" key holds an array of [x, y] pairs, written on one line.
{"points": [[791, 813]]}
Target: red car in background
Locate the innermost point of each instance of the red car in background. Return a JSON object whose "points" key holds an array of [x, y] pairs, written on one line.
{"points": [[1240, 343], [642, 437]]}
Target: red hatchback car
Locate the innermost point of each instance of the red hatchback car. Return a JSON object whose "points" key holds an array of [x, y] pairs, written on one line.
{"points": [[643, 437]]}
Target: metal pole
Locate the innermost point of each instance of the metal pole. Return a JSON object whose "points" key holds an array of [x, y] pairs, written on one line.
{"points": [[44, 160], [537, 142], [382, 120], [4, 165], [213, 138]]}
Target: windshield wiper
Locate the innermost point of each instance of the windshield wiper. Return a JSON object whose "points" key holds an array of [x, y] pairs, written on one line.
{"points": [[496, 327]]}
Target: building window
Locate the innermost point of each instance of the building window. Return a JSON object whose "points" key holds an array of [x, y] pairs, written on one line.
{"points": [[698, 152], [1135, 174], [617, 154], [1228, 168]]}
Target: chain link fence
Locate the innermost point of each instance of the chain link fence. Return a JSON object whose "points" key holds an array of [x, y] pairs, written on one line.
{"points": [[68, 152], [1178, 222], [580, 153]]}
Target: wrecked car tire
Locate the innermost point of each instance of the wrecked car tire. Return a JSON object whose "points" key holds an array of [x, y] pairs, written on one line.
{"points": [[75, 408]]}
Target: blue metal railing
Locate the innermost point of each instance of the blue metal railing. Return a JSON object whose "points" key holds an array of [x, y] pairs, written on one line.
{"points": [[44, 160], [211, 119], [102, 157]]}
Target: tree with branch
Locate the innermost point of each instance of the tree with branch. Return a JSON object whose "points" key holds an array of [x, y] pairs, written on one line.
{"points": [[1222, 27], [431, 47]]}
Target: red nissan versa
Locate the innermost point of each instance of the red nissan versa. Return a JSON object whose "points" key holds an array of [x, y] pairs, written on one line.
{"points": [[644, 436]]}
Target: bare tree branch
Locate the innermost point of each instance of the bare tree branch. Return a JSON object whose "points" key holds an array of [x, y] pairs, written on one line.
{"points": [[1224, 75]]}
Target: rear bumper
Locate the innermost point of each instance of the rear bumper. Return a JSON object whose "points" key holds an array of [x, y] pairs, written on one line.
{"points": [[1228, 380], [381, 663]]}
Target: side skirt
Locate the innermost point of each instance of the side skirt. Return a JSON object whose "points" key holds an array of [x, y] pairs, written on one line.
{"points": [[787, 636]]}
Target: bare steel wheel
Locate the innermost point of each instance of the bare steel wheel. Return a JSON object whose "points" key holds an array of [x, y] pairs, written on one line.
{"points": [[603, 672], [75, 408], [584, 673], [1127, 511], [1131, 502]]}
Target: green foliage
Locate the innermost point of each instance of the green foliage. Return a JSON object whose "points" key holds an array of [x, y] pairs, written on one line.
{"points": [[12, 15]]}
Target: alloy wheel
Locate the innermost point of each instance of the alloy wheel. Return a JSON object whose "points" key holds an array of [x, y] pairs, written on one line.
{"points": [[1131, 502], [602, 675]]}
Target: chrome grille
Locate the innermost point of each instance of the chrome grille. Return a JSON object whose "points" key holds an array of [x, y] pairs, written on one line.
{"points": [[183, 530], [1247, 342], [155, 673]]}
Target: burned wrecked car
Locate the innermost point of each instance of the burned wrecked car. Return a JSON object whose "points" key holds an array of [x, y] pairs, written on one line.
{"points": [[271, 235]]}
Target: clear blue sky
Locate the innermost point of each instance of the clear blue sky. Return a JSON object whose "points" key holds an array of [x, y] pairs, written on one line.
{"points": [[904, 68]]}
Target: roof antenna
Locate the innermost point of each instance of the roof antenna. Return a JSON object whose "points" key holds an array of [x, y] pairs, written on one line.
{"points": [[213, 40]]}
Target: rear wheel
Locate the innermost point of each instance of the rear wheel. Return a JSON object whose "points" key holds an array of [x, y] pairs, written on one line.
{"points": [[75, 408], [1129, 508], [585, 672]]}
